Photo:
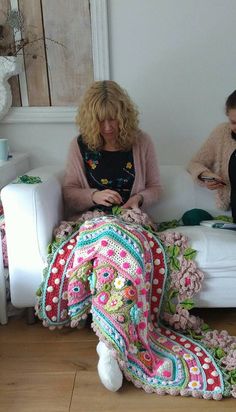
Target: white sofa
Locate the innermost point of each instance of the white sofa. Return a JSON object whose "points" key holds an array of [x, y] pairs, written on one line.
{"points": [[32, 211]]}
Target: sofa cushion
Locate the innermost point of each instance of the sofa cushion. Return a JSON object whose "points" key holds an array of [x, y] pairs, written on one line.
{"points": [[216, 249], [216, 257]]}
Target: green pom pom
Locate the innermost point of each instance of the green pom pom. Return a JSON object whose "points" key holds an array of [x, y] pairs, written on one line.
{"points": [[195, 216]]}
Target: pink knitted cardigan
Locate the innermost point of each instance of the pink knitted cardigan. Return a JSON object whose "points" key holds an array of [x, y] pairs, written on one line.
{"points": [[77, 193], [214, 156]]}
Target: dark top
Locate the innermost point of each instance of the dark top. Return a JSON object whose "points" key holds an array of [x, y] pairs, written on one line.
{"points": [[108, 170], [232, 178]]}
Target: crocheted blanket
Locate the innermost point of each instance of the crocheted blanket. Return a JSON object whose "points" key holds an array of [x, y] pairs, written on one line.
{"points": [[138, 285], [3, 239]]}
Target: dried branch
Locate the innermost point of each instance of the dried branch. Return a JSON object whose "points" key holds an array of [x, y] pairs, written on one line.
{"points": [[15, 21]]}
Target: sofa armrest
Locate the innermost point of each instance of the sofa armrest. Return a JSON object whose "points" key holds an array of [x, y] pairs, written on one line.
{"points": [[31, 213]]}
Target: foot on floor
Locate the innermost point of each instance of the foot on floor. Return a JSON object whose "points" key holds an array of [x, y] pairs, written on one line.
{"points": [[108, 368]]}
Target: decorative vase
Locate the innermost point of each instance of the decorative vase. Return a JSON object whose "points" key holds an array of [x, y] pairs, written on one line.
{"points": [[9, 66]]}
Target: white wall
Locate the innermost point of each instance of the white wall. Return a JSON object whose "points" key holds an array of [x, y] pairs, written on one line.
{"points": [[46, 143], [177, 60]]}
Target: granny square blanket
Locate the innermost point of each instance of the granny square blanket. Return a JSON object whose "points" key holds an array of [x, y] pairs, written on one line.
{"points": [[126, 276]]}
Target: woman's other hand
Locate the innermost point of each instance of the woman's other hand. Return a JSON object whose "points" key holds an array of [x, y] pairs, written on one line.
{"points": [[133, 202], [212, 181], [106, 197]]}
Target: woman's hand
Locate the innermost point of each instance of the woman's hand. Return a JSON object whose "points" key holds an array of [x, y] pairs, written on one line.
{"points": [[214, 182], [106, 197], [133, 202]]}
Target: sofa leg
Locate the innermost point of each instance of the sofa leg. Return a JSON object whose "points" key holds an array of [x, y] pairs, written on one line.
{"points": [[30, 316]]}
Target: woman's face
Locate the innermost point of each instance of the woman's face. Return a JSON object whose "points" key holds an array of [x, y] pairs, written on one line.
{"points": [[109, 129], [232, 119]]}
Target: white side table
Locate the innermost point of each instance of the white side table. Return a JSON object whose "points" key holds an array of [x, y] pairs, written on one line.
{"points": [[17, 165]]}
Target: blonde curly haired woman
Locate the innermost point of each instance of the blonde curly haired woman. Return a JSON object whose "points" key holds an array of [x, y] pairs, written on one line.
{"points": [[112, 162]]}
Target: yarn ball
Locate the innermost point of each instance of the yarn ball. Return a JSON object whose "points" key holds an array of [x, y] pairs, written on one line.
{"points": [[195, 216]]}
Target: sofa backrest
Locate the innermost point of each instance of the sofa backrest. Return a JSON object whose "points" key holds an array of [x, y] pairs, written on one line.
{"points": [[180, 194]]}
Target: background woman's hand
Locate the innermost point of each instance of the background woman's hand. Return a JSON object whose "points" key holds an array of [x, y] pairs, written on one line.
{"points": [[216, 183], [133, 202], [106, 197]]}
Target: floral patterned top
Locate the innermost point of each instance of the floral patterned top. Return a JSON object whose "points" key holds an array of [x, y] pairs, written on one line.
{"points": [[108, 170]]}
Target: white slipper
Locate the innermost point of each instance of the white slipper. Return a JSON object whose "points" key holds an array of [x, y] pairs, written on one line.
{"points": [[108, 368]]}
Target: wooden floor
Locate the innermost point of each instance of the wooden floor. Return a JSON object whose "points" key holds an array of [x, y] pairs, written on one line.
{"points": [[55, 371]]}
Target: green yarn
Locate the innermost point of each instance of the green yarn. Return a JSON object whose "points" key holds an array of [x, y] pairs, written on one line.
{"points": [[195, 216], [28, 179]]}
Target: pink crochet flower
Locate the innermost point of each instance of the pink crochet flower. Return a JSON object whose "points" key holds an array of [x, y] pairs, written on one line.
{"points": [[65, 229], [174, 238], [103, 298], [230, 360], [90, 215], [219, 339], [225, 346], [76, 291], [137, 216], [182, 320], [187, 280], [120, 318], [105, 275]]}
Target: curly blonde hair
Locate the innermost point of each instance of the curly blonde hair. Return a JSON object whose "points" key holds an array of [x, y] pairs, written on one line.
{"points": [[107, 100]]}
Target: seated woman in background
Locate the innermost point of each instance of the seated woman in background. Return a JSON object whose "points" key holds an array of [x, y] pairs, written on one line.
{"points": [[214, 166], [110, 262]]}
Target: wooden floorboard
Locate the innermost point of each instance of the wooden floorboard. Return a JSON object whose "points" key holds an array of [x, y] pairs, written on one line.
{"points": [[36, 392], [56, 371]]}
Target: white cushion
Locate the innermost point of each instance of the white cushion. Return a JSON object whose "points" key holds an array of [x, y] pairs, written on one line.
{"points": [[216, 248], [216, 257]]}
